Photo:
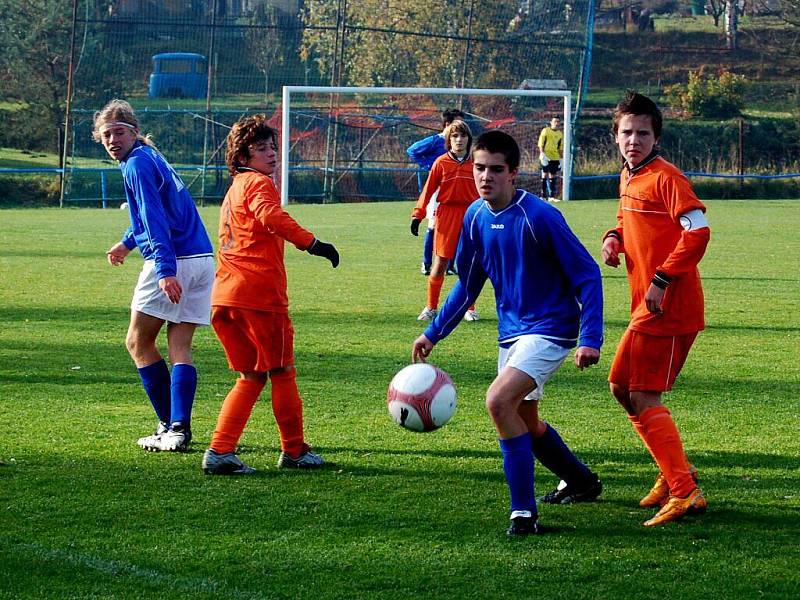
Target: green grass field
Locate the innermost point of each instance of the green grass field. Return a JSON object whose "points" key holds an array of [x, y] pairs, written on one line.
{"points": [[84, 513]]}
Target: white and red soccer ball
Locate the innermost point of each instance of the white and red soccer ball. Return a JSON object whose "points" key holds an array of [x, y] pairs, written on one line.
{"points": [[421, 397]]}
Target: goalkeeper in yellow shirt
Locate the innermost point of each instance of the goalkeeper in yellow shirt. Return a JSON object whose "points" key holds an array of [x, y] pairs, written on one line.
{"points": [[551, 149]]}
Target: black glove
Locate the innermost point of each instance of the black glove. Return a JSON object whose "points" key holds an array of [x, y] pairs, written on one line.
{"points": [[318, 248], [415, 226]]}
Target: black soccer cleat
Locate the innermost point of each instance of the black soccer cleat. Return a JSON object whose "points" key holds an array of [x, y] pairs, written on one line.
{"points": [[570, 494], [521, 526]]}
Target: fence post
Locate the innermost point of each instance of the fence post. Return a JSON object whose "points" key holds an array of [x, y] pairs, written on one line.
{"points": [[741, 153], [103, 188]]}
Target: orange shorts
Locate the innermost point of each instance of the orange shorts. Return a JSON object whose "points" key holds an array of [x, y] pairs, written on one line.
{"points": [[254, 340], [649, 363], [447, 230]]}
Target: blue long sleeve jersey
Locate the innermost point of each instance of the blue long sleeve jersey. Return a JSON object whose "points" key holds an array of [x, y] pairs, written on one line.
{"points": [[427, 150], [545, 281], [165, 224]]}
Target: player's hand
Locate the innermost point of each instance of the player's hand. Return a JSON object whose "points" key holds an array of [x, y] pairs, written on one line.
{"points": [[653, 299], [117, 253], [610, 251], [586, 357], [326, 250], [421, 349], [415, 227], [171, 287]]}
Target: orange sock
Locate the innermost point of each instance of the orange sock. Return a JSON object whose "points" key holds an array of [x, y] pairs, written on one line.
{"points": [[434, 291], [637, 425], [234, 414], [288, 409], [665, 443]]}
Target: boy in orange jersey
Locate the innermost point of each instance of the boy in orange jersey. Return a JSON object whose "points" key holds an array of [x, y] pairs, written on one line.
{"points": [[451, 176], [663, 232], [249, 301]]}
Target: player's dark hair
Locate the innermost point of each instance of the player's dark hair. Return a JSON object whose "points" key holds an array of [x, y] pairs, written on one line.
{"points": [[499, 142], [450, 115], [248, 131], [635, 103]]}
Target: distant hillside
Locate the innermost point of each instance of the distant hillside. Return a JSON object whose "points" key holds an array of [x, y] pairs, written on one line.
{"points": [[770, 58]]}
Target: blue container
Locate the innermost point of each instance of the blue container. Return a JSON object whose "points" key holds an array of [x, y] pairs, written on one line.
{"points": [[179, 75]]}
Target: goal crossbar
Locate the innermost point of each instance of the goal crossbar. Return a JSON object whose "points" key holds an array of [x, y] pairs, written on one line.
{"points": [[288, 90]]}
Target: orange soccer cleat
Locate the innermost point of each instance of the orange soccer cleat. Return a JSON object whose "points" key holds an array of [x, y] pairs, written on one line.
{"points": [[676, 508], [659, 493]]}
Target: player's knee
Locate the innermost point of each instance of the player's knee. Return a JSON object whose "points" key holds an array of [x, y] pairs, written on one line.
{"points": [[180, 356], [497, 406]]}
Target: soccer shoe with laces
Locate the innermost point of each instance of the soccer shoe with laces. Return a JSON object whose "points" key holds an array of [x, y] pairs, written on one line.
{"points": [[676, 508], [176, 439], [471, 316], [659, 493], [226, 463], [523, 525], [570, 494], [152, 443], [307, 460], [427, 314]]}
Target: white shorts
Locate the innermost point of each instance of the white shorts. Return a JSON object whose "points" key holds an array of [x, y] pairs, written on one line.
{"points": [[535, 356], [196, 276], [430, 212]]}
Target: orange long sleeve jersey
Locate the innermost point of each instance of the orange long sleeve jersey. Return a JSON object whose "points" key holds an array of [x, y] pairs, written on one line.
{"points": [[455, 183], [252, 229], [653, 196]]}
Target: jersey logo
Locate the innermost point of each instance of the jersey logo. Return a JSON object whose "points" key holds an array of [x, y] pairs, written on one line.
{"points": [[498, 226]]}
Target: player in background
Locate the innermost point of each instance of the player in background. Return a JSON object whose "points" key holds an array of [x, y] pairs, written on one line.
{"points": [[424, 153], [549, 299], [663, 232], [174, 286], [551, 149], [451, 179], [250, 307]]}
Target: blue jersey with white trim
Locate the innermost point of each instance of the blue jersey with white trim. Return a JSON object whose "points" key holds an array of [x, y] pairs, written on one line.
{"points": [[544, 279], [165, 224], [427, 150]]}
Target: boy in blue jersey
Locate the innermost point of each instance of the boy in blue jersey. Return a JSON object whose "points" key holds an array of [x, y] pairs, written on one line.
{"points": [[549, 299], [424, 152], [174, 286]]}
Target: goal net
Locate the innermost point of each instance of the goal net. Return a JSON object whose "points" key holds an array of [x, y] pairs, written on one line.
{"points": [[348, 144]]}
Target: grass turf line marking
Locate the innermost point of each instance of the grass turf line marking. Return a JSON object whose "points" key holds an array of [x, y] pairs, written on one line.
{"points": [[117, 568]]}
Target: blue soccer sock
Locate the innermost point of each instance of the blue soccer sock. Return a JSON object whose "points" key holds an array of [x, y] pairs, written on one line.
{"points": [[155, 380], [427, 249], [184, 384], [518, 466], [554, 454]]}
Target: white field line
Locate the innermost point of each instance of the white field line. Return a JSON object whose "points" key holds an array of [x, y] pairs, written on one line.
{"points": [[119, 568]]}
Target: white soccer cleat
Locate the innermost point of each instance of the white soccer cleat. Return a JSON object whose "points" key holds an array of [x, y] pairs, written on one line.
{"points": [[152, 443], [176, 439], [226, 463], [471, 315], [427, 314], [307, 460]]}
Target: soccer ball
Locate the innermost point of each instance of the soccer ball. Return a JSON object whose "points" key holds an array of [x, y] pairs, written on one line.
{"points": [[421, 397], [123, 206]]}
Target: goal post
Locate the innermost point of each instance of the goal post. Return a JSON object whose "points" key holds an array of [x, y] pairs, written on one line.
{"points": [[330, 165]]}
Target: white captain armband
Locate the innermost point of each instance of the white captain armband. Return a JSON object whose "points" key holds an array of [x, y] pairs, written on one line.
{"points": [[694, 219]]}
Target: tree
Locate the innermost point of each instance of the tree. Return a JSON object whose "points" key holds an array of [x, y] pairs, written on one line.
{"points": [[431, 41], [711, 96], [790, 12], [35, 38], [265, 42], [716, 8]]}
